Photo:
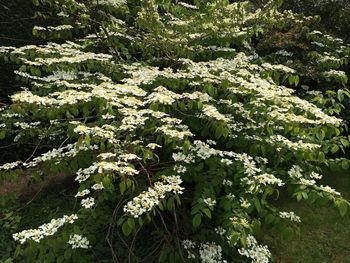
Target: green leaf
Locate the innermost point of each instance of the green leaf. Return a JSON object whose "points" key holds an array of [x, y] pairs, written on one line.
{"points": [[131, 223], [126, 229], [207, 212], [171, 203], [342, 207], [257, 205], [197, 220], [218, 131], [122, 187]]}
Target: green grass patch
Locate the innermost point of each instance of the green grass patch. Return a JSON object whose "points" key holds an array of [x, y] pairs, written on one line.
{"points": [[324, 235]]}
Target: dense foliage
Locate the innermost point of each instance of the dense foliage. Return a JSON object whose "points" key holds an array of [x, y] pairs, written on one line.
{"points": [[182, 122], [335, 14]]}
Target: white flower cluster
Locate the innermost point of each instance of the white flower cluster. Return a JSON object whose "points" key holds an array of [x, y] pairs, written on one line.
{"points": [[189, 245], [282, 68], [68, 151], [211, 253], [298, 146], [269, 179], [145, 201], [338, 74], [220, 231], [114, 3], [105, 132], [254, 251], [291, 216], [88, 202], [53, 28], [212, 112], [329, 190], [84, 174], [98, 186], [209, 202], [175, 134], [42, 231], [24, 125], [295, 172], [78, 241], [9, 166], [83, 193]]}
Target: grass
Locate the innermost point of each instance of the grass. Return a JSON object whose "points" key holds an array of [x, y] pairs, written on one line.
{"points": [[324, 235]]}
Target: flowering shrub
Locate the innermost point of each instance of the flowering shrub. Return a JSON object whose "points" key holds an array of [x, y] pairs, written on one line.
{"points": [[176, 129]]}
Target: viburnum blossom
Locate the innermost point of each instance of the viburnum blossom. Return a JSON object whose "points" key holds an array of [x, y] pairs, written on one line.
{"points": [[78, 241], [148, 199], [44, 230]]}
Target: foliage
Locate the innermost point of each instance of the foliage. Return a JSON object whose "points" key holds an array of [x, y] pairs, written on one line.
{"points": [[181, 127], [335, 14]]}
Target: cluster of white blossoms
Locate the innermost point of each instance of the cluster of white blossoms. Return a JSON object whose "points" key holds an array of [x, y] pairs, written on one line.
{"points": [[78, 241], [284, 53], [53, 28], [84, 174], [146, 200], [337, 74], [189, 246], [98, 186], [68, 151], [295, 172], [291, 216], [83, 193], [268, 179], [298, 146], [329, 190], [25, 125], [104, 132], [282, 68], [209, 202], [9, 166], [212, 112], [254, 251], [88, 202], [44, 230], [220, 231], [169, 130], [211, 253]]}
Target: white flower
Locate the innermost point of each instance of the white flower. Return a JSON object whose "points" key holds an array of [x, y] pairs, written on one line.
{"points": [[88, 202], [211, 253], [180, 169], [329, 190], [254, 251], [44, 230], [209, 202], [291, 216], [146, 200], [220, 230], [78, 241], [9, 166], [98, 186], [244, 203], [227, 182], [83, 193]]}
